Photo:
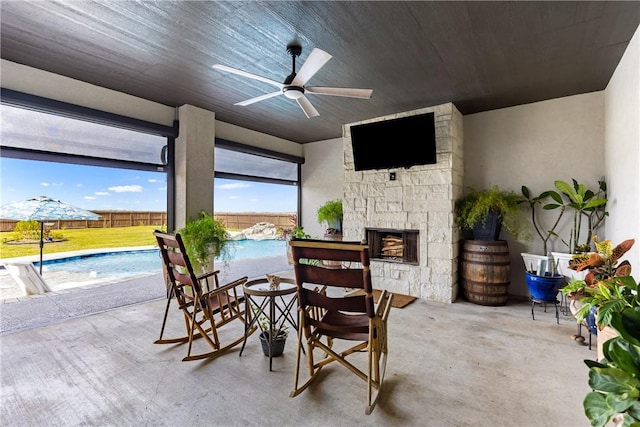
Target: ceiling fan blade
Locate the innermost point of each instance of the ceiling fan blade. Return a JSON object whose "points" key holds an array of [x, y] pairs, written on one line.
{"points": [[316, 60], [258, 98], [309, 110], [250, 75], [340, 91]]}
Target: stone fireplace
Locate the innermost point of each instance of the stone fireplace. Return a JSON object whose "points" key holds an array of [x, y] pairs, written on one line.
{"points": [[411, 212]]}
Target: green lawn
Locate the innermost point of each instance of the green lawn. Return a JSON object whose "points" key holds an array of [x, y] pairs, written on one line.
{"points": [[86, 238]]}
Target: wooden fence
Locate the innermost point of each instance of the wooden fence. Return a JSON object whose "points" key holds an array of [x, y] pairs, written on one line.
{"points": [[109, 219]]}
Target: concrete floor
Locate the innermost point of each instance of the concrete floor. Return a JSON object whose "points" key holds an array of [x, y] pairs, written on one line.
{"points": [[456, 364]]}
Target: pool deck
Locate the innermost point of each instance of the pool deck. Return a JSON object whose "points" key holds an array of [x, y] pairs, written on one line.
{"points": [[58, 280], [27, 312]]}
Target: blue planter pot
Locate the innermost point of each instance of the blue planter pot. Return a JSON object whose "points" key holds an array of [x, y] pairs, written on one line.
{"points": [[544, 288], [590, 320]]}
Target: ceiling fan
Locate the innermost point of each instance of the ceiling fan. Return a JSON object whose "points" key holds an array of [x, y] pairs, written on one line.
{"points": [[294, 85]]}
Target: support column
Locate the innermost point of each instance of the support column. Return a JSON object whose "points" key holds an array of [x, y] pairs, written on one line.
{"points": [[194, 163]]}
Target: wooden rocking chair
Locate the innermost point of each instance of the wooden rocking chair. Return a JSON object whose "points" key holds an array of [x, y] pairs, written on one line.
{"points": [[205, 306], [342, 317]]}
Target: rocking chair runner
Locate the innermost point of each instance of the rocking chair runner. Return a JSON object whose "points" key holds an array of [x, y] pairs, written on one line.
{"points": [[349, 318], [205, 306]]}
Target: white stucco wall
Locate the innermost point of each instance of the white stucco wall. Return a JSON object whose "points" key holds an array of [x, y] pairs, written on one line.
{"points": [[256, 139], [622, 151], [534, 145], [322, 178]]}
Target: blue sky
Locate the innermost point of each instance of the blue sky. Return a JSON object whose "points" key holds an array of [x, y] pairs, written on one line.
{"points": [[94, 188]]}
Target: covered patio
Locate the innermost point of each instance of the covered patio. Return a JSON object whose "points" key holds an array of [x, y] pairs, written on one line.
{"points": [[450, 364]]}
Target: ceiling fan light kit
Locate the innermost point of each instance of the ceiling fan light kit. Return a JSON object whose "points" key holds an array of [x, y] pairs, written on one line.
{"points": [[293, 92], [294, 85]]}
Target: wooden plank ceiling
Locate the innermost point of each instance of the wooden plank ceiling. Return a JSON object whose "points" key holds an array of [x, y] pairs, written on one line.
{"points": [[478, 55]]}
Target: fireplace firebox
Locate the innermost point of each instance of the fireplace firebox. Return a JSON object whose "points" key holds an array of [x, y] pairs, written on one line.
{"points": [[386, 244]]}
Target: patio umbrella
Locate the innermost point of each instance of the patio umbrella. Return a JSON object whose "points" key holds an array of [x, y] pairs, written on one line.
{"points": [[42, 209]]}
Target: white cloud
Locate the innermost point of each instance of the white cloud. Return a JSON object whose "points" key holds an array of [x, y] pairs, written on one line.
{"points": [[126, 189], [45, 184], [89, 198], [233, 186], [51, 184], [102, 193], [155, 180], [234, 197], [162, 188]]}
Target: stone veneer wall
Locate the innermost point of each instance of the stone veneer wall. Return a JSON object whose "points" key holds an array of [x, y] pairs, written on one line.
{"points": [[422, 197]]}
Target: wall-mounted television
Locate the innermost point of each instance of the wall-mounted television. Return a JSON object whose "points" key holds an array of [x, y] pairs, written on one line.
{"points": [[395, 143]]}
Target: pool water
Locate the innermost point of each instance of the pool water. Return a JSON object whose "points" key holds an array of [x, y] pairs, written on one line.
{"points": [[128, 263]]}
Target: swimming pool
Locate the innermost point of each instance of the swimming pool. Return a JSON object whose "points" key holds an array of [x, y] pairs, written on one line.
{"points": [[131, 263]]}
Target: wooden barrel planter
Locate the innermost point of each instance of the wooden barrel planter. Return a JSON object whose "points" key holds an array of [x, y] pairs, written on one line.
{"points": [[486, 272]]}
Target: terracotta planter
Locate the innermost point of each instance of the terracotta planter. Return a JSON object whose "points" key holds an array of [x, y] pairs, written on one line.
{"points": [[605, 333]]}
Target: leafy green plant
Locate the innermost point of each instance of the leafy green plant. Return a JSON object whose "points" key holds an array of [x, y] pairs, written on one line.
{"points": [[608, 286], [27, 230], [331, 213], [476, 205], [615, 379], [612, 293], [205, 237], [586, 204], [298, 232], [534, 203]]}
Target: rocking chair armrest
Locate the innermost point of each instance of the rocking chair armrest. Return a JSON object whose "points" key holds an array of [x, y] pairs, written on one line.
{"points": [[205, 277], [227, 287], [207, 274]]}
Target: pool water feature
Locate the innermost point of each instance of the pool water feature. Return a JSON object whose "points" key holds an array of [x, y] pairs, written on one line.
{"points": [[138, 262]]}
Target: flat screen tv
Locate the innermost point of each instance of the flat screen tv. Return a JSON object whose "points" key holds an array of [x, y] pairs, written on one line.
{"points": [[395, 143]]}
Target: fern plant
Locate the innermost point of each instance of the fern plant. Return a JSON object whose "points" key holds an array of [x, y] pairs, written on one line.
{"points": [[331, 213], [476, 205], [205, 237]]}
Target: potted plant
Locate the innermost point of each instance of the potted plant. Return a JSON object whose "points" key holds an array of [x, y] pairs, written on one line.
{"points": [[331, 215], [542, 276], [296, 232], [604, 282], [585, 204], [205, 237], [615, 379], [485, 212], [272, 336], [575, 198], [485, 267], [612, 294]]}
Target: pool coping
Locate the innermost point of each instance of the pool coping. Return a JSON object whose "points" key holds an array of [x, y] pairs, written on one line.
{"points": [[69, 254]]}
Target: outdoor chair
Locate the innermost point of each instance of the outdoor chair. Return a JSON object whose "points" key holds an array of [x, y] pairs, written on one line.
{"points": [[205, 305], [338, 317]]}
